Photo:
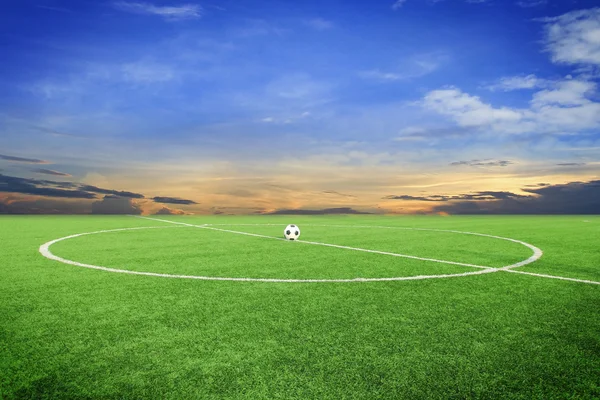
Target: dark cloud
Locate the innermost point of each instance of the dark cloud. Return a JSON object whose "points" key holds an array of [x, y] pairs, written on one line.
{"points": [[116, 205], [570, 198], [23, 160], [173, 200], [591, 188], [495, 195], [114, 201], [11, 184], [340, 210], [537, 185], [570, 164], [485, 195], [50, 172], [483, 163], [57, 189], [18, 204], [169, 211], [64, 185], [338, 193], [95, 189], [417, 198]]}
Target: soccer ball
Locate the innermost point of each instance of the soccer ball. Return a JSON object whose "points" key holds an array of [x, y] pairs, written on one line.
{"points": [[291, 232]]}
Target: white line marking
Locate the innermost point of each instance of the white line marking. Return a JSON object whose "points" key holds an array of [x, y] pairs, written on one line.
{"points": [[554, 277], [394, 254], [537, 253], [171, 222], [45, 251], [209, 226]]}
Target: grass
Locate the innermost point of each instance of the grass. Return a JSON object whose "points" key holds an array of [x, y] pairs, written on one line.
{"points": [[71, 332]]}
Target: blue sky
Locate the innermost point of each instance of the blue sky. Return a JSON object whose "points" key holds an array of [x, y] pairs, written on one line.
{"points": [[223, 101]]}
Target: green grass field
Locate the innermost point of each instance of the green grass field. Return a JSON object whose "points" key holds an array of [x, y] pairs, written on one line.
{"points": [[79, 333]]}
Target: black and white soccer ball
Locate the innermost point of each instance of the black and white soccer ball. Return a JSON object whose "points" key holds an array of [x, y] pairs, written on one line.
{"points": [[291, 232]]}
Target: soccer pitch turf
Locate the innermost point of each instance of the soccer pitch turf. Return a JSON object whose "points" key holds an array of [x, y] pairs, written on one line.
{"points": [[73, 332]]}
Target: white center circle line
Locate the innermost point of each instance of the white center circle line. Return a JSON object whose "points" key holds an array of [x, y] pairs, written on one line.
{"points": [[45, 251]]}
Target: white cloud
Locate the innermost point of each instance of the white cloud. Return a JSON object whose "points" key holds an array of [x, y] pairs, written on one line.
{"points": [[413, 67], [531, 3], [567, 106], [51, 90], [411, 134], [171, 13], [412, 130], [296, 87], [144, 72], [319, 24], [287, 118], [574, 38], [59, 9], [94, 77], [380, 75], [566, 93], [566, 109], [467, 110], [564, 106], [507, 84], [398, 4]]}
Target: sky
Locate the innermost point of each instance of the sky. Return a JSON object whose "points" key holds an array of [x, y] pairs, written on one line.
{"points": [[311, 107]]}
